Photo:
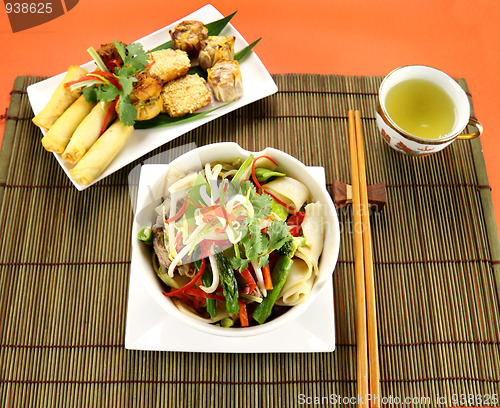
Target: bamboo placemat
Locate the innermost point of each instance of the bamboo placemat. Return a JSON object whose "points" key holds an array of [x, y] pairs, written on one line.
{"points": [[65, 260]]}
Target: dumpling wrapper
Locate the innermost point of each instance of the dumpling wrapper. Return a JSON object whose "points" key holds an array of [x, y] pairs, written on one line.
{"points": [[215, 48], [61, 99], [104, 150], [86, 134], [225, 80], [58, 136]]}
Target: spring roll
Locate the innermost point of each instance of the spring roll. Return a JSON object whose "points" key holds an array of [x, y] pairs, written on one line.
{"points": [[101, 154], [60, 100], [88, 132], [57, 137]]}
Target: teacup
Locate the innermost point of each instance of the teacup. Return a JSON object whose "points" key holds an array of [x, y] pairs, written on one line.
{"points": [[421, 110]]}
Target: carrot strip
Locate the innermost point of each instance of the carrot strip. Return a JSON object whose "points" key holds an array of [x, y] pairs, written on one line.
{"points": [[268, 282], [242, 311]]}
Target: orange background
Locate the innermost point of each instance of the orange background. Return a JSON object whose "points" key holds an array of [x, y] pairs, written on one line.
{"points": [[356, 37]]}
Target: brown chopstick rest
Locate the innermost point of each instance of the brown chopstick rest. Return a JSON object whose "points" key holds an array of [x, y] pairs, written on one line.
{"points": [[342, 195]]}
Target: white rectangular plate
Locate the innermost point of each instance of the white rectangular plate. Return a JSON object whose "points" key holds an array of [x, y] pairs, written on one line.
{"points": [[148, 327], [257, 84]]}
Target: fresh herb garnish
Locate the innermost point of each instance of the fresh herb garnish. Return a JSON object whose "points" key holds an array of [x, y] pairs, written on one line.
{"points": [[105, 86], [258, 244], [117, 86]]}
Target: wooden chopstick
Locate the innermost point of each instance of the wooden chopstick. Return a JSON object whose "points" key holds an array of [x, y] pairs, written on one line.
{"points": [[364, 271], [359, 276]]}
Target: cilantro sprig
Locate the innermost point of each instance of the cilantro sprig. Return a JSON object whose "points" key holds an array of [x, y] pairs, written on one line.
{"points": [[118, 85], [257, 244]]}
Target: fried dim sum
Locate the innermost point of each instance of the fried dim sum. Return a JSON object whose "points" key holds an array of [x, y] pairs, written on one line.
{"points": [[87, 132], [169, 64], [148, 109], [188, 35], [185, 95], [215, 48], [101, 154], [61, 99], [225, 80], [57, 137]]}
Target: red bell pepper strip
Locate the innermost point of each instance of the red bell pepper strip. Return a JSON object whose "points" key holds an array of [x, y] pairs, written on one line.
{"points": [[254, 177], [201, 294], [179, 213], [295, 231], [295, 223], [250, 281], [289, 208], [152, 61], [107, 116], [175, 292]]}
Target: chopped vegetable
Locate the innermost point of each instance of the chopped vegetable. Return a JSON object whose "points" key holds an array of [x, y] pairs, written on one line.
{"points": [[220, 214], [290, 246], [280, 273], [250, 281], [227, 322], [243, 314], [115, 86], [175, 292], [267, 277], [279, 210], [145, 235], [262, 174], [206, 279], [229, 283]]}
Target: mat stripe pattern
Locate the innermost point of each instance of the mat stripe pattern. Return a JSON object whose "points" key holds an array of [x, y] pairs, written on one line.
{"points": [[65, 260]]}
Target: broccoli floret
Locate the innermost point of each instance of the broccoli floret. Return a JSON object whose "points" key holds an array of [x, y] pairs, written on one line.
{"points": [[290, 246]]}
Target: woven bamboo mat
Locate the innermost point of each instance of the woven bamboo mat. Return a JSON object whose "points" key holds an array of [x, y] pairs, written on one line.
{"points": [[65, 259]]}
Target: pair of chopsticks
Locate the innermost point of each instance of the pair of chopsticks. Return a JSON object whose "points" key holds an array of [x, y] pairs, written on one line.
{"points": [[366, 320]]}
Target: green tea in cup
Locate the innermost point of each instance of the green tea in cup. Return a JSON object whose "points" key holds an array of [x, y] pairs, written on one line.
{"points": [[421, 108]]}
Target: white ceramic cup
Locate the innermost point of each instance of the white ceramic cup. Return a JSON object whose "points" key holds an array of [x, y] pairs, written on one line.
{"points": [[405, 142]]}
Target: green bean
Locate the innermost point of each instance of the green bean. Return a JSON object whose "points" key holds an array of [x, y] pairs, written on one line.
{"points": [[145, 235], [264, 174], [280, 273]]}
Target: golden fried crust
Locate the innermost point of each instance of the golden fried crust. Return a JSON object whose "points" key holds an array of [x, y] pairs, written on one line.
{"points": [[146, 87], [169, 64], [215, 48], [225, 80], [185, 95], [188, 35]]}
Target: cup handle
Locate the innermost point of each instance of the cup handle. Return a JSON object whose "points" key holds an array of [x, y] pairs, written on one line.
{"points": [[477, 125]]}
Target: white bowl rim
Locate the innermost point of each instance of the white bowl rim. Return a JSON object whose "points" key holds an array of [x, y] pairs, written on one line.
{"points": [[295, 311]]}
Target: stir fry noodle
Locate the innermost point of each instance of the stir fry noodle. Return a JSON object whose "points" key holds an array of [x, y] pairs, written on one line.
{"points": [[236, 244]]}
